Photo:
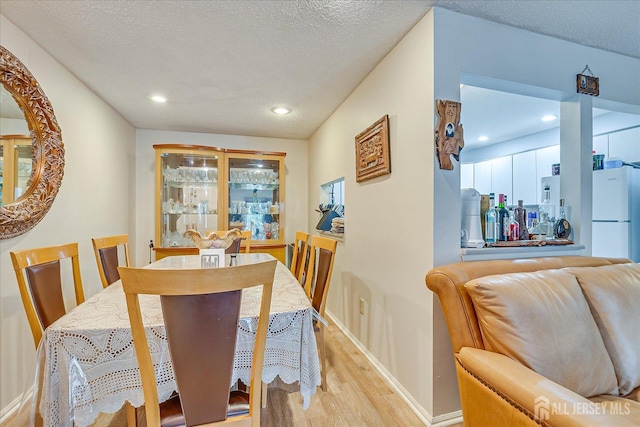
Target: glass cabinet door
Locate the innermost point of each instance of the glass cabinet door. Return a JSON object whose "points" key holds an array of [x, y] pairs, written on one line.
{"points": [[189, 195], [255, 198], [16, 167]]}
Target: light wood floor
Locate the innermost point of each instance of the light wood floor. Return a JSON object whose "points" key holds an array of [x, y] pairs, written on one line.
{"points": [[356, 396]]}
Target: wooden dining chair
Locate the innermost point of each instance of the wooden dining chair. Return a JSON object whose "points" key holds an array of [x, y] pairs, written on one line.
{"points": [[106, 252], [246, 239], [322, 253], [201, 308], [40, 283], [299, 254]]}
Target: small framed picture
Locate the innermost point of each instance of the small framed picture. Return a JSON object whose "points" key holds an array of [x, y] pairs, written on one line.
{"points": [[211, 258], [372, 151], [589, 85]]}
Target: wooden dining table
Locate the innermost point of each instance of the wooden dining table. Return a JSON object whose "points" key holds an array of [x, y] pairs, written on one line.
{"points": [[88, 364]]}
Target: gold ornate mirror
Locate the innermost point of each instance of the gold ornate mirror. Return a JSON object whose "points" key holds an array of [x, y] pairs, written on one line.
{"points": [[34, 184]]}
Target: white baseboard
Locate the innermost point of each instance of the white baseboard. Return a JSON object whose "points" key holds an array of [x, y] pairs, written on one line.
{"points": [[447, 419], [428, 420], [13, 407]]}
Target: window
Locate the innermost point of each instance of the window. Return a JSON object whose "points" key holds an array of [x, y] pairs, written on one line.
{"points": [[332, 207]]}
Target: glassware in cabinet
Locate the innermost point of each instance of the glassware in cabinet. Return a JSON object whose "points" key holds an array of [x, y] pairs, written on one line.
{"points": [[256, 196], [188, 193]]}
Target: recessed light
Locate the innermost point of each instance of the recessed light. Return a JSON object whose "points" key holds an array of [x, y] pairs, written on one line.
{"points": [[281, 110], [549, 118], [158, 98], [483, 138]]}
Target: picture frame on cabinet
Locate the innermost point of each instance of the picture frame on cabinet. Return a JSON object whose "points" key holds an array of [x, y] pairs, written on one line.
{"points": [[372, 151]]}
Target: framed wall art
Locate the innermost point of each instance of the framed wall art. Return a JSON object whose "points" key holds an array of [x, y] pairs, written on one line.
{"points": [[448, 134], [588, 83], [372, 151]]}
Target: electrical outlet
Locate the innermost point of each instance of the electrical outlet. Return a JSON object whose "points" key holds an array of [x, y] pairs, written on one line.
{"points": [[361, 306]]}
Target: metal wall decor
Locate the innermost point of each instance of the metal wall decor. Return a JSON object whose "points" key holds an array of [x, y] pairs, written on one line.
{"points": [[588, 84], [372, 151], [48, 151], [448, 134]]}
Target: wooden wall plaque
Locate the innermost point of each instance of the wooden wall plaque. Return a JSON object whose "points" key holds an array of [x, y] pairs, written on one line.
{"points": [[372, 151], [588, 85]]}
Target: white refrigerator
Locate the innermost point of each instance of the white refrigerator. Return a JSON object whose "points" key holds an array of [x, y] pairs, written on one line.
{"points": [[616, 213]]}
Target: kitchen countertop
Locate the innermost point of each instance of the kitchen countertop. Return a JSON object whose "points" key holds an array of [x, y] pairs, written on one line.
{"points": [[482, 254]]}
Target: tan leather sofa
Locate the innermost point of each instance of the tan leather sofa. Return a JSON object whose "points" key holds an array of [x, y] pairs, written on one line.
{"points": [[544, 341]]}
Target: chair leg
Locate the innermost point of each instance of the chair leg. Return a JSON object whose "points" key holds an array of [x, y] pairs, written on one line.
{"points": [[265, 386], [132, 419], [323, 357]]}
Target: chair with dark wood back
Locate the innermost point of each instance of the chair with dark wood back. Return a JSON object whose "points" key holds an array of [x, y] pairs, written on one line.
{"points": [[40, 282], [106, 252], [201, 308], [322, 252], [42, 297], [299, 254]]}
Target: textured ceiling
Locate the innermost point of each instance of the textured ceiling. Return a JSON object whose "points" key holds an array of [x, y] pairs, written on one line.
{"points": [[224, 64]]}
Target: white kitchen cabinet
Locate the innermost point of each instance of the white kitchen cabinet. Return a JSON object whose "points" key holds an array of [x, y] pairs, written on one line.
{"points": [[625, 145], [466, 175], [482, 177], [524, 178], [545, 158], [519, 175], [601, 145], [501, 177]]}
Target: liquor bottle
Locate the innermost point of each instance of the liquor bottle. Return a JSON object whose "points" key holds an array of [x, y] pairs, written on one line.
{"points": [[547, 213], [543, 227], [537, 232], [497, 210], [506, 205], [503, 220], [521, 214], [530, 217], [562, 228], [514, 227], [490, 220]]}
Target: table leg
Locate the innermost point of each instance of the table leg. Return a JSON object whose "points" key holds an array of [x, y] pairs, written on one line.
{"points": [[265, 386], [132, 420]]}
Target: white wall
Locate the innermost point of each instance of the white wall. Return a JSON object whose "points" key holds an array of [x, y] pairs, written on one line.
{"points": [[401, 225], [13, 126], [387, 245], [295, 164], [482, 53], [95, 198]]}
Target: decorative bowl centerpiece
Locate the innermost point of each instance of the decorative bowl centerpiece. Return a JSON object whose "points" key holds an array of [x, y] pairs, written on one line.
{"points": [[212, 241]]}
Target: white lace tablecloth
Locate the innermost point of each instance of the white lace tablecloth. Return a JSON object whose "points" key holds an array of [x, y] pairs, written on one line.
{"points": [[89, 362]]}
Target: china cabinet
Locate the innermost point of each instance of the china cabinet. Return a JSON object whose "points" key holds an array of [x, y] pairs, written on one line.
{"points": [[208, 188], [16, 159]]}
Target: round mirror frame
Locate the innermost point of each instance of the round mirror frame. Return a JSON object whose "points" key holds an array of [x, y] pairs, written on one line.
{"points": [[48, 151]]}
